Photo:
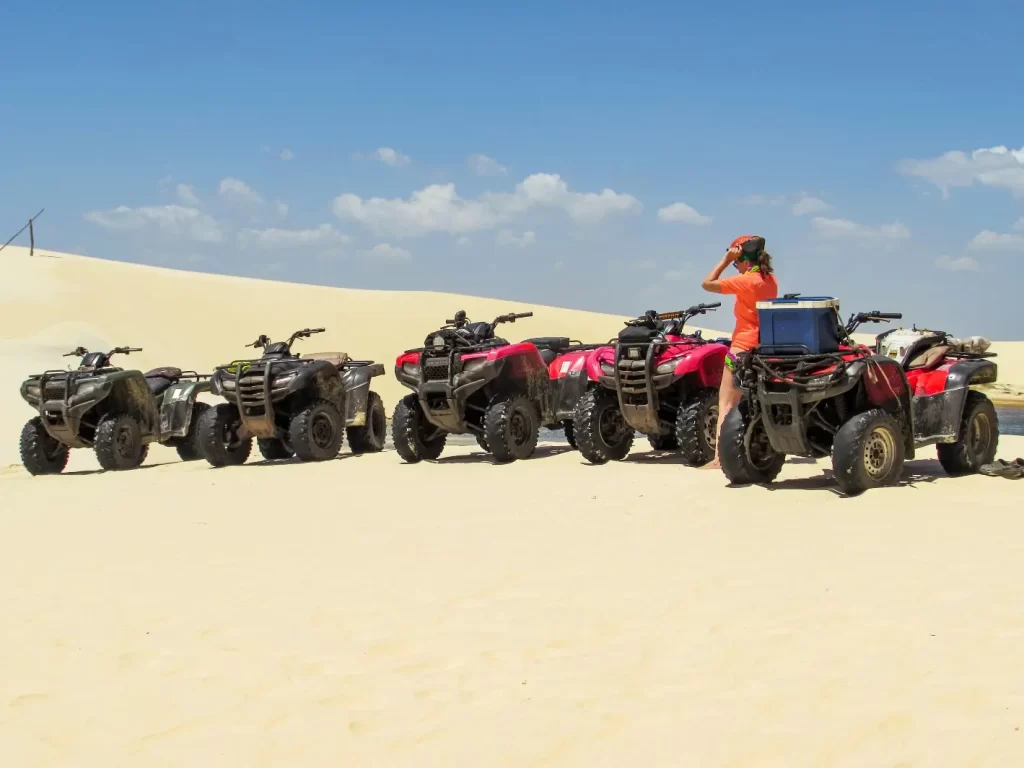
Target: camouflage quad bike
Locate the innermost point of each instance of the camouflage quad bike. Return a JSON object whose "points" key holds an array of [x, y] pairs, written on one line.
{"points": [[293, 406], [114, 411]]}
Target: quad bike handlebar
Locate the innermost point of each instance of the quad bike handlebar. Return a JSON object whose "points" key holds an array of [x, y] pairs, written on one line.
{"points": [[511, 317], [82, 351], [650, 318], [264, 341], [860, 318]]}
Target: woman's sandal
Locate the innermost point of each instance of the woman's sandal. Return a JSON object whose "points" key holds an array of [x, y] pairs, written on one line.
{"points": [[1012, 470]]}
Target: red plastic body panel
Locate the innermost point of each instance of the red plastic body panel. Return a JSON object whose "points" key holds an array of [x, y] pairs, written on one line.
{"points": [[924, 382], [407, 357], [571, 362]]}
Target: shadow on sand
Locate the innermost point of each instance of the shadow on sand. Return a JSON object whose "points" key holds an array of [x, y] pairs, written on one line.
{"points": [[136, 469], [914, 473], [479, 457]]}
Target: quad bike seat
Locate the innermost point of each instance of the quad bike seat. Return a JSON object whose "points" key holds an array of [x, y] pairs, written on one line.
{"points": [[337, 359], [159, 379], [550, 347], [929, 358]]}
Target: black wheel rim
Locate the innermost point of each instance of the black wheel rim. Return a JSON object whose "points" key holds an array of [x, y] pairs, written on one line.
{"points": [[125, 442], [519, 427], [979, 436], [611, 425], [322, 430], [760, 453]]}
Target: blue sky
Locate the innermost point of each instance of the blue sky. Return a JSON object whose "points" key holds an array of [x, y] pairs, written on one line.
{"points": [[333, 143]]}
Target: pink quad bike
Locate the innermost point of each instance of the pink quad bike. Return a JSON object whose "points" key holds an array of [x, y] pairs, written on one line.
{"points": [[656, 380]]}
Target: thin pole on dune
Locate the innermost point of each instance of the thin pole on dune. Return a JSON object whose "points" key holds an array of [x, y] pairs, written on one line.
{"points": [[31, 234]]}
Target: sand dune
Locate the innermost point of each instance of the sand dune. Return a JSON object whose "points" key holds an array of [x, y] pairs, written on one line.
{"points": [[363, 612]]}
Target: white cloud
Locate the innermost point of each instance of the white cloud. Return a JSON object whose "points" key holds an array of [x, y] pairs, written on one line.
{"points": [[438, 208], [287, 154], [989, 240], [462, 241], [281, 208], [187, 195], [961, 264], [238, 192], [508, 237], [806, 205], [391, 157], [763, 200], [175, 220], [482, 165], [323, 235], [997, 167], [388, 252], [847, 228], [684, 213]]}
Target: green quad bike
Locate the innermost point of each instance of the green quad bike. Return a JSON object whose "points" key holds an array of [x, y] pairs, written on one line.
{"points": [[293, 406], [114, 411]]}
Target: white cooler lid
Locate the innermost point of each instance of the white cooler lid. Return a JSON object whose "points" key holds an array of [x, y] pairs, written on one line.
{"points": [[823, 302]]}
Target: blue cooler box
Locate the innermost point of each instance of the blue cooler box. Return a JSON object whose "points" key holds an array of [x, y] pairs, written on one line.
{"points": [[801, 326]]}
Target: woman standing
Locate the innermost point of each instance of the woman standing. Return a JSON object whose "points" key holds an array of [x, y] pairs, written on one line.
{"points": [[755, 282]]}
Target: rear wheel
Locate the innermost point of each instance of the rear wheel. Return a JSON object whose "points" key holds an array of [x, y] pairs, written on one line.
{"points": [[274, 448], [316, 433], [370, 437], [746, 452], [570, 433], [188, 446], [978, 438], [511, 427], [602, 434], [118, 443], [40, 453], [219, 442], [415, 438], [868, 452], [663, 442], [697, 427]]}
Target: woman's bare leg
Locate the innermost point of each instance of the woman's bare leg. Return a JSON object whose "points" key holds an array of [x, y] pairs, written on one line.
{"points": [[729, 396]]}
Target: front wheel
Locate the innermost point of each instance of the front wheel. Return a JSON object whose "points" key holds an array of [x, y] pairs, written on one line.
{"points": [[570, 434], [978, 438], [745, 451], [601, 432], [511, 427], [415, 438], [274, 448], [188, 446], [316, 433], [118, 443], [370, 437], [40, 453], [663, 442], [219, 442], [868, 452], [697, 427]]}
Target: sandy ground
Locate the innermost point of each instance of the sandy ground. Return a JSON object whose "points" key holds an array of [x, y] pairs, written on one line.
{"points": [[365, 612]]}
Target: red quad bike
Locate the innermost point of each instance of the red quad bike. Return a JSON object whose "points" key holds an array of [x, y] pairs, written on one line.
{"points": [[869, 408], [655, 380], [465, 380]]}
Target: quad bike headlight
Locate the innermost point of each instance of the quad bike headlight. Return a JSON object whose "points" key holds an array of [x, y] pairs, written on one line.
{"points": [[472, 365], [410, 369], [437, 342], [667, 367]]}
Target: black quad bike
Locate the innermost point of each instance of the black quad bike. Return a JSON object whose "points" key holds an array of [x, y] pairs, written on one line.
{"points": [[292, 405], [114, 411], [867, 409], [466, 380]]}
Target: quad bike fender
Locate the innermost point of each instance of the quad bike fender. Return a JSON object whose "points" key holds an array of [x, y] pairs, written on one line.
{"points": [[940, 395], [886, 387], [177, 405], [356, 382], [320, 379], [707, 362]]}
